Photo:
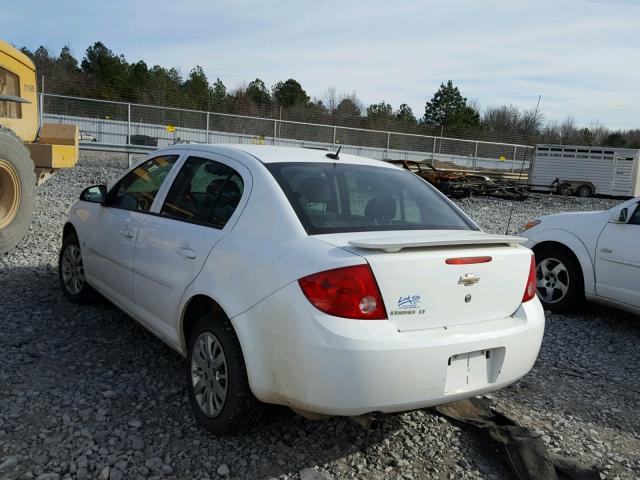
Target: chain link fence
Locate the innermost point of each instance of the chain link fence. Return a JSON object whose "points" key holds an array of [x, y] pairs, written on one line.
{"points": [[117, 123]]}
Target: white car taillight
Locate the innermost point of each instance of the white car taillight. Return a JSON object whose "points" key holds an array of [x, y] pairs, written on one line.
{"points": [[349, 292], [530, 289]]}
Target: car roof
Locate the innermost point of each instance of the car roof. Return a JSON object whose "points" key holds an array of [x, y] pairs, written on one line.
{"points": [[271, 154]]}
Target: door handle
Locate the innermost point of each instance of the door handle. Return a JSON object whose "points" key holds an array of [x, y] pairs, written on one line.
{"points": [[606, 250], [125, 232], [186, 252]]}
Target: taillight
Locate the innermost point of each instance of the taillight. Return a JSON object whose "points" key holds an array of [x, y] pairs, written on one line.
{"points": [[530, 289], [349, 292]]}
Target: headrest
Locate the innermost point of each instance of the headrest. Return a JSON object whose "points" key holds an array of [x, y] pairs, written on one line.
{"points": [[229, 196], [315, 190], [380, 208]]}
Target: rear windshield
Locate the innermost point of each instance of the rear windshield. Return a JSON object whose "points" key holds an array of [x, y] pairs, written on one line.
{"points": [[334, 197]]}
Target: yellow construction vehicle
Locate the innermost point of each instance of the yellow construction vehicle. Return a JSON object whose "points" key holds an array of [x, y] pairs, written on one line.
{"points": [[29, 152]]}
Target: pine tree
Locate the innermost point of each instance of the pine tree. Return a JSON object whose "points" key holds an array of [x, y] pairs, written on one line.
{"points": [[450, 109]]}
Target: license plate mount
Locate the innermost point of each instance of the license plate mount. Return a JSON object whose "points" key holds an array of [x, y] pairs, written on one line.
{"points": [[473, 370]]}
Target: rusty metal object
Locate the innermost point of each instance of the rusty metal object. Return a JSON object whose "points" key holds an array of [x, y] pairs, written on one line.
{"points": [[461, 184]]}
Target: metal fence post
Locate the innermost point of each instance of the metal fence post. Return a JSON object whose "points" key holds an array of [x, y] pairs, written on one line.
{"points": [[515, 152], [207, 141], [42, 103], [275, 131], [335, 128], [475, 156], [388, 142], [128, 123]]}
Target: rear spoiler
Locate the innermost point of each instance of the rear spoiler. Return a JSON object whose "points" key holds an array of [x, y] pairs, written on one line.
{"points": [[450, 238]]}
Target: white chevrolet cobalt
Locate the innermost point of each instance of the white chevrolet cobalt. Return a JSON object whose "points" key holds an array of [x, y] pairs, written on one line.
{"points": [[592, 255], [329, 283]]}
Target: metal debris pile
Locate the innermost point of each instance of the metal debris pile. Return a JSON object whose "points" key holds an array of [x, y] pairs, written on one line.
{"points": [[457, 184]]}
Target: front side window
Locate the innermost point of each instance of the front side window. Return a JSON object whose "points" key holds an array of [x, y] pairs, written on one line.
{"points": [[204, 191], [9, 85], [139, 187], [334, 197]]}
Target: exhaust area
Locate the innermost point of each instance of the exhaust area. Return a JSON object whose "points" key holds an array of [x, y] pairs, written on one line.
{"points": [[367, 421]]}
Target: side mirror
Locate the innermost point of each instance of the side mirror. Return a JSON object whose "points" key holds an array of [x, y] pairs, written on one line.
{"points": [[94, 194], [623, 216]]}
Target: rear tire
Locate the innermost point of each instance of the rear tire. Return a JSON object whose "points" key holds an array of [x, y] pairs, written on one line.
{"points": [[71, 272], [585, 191], [216, 377], [17, 189], [559, 278]]}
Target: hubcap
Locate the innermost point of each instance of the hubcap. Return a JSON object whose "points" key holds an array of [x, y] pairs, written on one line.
{"points": [[72, 269], [552, 279], [209, 374], [10, 193]]}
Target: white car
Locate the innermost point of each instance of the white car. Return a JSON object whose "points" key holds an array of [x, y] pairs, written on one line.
{"points": [[332, 284], [590, 254], [87, 137]]}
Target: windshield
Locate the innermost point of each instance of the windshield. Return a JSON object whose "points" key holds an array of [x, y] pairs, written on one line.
{"points": [[334, 197]]}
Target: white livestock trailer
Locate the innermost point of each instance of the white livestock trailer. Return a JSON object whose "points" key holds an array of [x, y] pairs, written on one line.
{"points": [[585, 170]]}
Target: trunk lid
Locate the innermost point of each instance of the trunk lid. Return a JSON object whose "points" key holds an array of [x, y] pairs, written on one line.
{"points": [[420, 290]]}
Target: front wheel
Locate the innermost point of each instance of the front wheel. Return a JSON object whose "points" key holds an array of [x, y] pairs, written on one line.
{"points": [[565, 189], [559, 280], [17, 189], [217, 382], [71, 272]]}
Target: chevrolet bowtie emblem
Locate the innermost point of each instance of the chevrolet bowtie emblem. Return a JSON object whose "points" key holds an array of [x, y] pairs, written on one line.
{"points": [[468, 279]]}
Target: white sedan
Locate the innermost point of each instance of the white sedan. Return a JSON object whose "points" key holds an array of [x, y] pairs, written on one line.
{"points": [[333, 284], [590, 254]]}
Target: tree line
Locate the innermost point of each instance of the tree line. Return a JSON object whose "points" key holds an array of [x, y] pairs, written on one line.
{"points": [[106, 75]]}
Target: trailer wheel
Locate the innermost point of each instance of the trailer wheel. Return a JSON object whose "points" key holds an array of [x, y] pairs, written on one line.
{"points": [[17, 185], [585, 191], [565, 189]]}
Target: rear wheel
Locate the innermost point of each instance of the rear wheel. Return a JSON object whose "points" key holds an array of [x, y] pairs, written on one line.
{"points": [[585, 191], [559, 279], [17, 186], [217, 382]]}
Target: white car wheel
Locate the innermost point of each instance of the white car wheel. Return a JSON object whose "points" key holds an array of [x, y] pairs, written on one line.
{"points": [[552, 280], [217, 382], [209, 374], [559, 279], [71, 272]]}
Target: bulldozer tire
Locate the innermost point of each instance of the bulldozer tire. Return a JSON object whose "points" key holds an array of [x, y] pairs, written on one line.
{"points": [[17, 189]]}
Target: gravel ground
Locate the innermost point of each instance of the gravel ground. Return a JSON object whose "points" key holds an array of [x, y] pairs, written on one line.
{"points": [[87, 393]]}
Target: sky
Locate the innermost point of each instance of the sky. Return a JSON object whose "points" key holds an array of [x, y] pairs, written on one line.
{"points": [[581, 56]]}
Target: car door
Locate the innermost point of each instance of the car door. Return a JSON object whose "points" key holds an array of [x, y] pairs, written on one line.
{"points": [[174, 243], [618, 260], [111, 235]]}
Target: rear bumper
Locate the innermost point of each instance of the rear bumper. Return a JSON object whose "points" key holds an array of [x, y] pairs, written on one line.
{"points": [[297, 356]]}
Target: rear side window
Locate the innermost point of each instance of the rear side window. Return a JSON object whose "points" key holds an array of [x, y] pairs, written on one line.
{"points": [[334, 197], [10, 86], [204, 191], [137, 190]]}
